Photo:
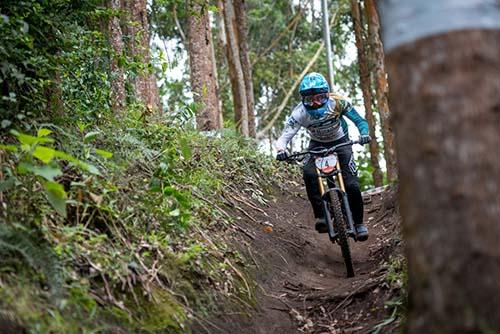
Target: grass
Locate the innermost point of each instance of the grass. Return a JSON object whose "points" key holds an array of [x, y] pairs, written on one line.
{"points": [[143, 246]]}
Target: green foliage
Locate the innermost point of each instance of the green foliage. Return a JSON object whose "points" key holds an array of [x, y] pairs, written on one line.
{"points": [[104, 221], [365, 170], [46, 49], [132, 247], [31, 147], [17, 240], [397, 280]]}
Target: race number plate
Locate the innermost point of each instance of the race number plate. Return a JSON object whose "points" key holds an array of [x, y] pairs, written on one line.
{"points": [[326, 164]]}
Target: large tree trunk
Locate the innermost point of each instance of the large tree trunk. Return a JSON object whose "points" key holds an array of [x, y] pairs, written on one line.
{"points": [[202, 64], [235, 70], [364, 75], [447, 122], [242, 30], [117, 73], [381, 89], [145, 83]]}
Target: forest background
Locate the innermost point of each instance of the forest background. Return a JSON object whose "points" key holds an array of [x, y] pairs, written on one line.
{"points": [[104, 170], [116, 177]]}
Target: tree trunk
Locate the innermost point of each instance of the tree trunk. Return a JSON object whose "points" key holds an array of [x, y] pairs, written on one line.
{"points": [[223, 43], [381, 89], [220, 118], [202, 62], [242, 31], [117, 73], [236, 70], [447, 120], [145, 83], [364, 75]]}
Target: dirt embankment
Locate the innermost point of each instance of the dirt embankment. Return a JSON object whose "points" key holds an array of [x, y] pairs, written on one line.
{"points": [[302, 285]]}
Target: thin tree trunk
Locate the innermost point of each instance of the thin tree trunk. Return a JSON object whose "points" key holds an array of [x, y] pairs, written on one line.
{"points": [[382, 89], [236, 70], [223, 41], [447, 120], [364, 75], [117, 72], [145, 83], [54, 94], [290, 50], [203, 80], [220, 118], [242, 32]]}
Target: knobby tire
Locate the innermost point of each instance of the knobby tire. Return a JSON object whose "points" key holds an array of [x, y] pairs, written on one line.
{"points": [[339, 224]]}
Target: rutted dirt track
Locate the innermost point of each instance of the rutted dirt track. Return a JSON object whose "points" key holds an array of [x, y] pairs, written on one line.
{"points": [[301, 275]]}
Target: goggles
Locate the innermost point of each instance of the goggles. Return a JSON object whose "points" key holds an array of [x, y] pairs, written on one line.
{"points": [[316, 100]]}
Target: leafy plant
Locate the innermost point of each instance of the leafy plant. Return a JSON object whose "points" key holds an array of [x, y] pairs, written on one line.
{"points": [[38, 158]]}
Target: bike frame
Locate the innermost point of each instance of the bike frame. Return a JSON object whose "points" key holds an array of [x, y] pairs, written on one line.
{"points": [[336, 209], [338, 188]]}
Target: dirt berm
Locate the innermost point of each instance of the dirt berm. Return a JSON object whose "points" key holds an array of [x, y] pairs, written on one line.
{"points": [[300, 275]]}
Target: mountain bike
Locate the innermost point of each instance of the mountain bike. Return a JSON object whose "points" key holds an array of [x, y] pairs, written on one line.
{"points": [[336, 208]]}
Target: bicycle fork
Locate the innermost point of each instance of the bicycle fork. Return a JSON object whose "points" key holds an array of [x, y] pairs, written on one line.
{"points": [[326, 192]]}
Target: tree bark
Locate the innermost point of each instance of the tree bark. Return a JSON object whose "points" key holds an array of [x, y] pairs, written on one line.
{"points": [[223, 42], [447, 121], [242, 31], [145, 83], [220, 118], [381, 89], [202, 63], [236, 70], [117, 72], [364, 76]]}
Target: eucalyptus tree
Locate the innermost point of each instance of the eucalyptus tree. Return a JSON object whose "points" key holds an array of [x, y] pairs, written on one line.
{"points": [[443, 66], [381, 87], [145, 84], [366, 88], [117, 94], [202, 66], [241, 24]]}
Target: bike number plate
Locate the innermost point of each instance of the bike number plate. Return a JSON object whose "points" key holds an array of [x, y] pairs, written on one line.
{"points": [[326, 164]]}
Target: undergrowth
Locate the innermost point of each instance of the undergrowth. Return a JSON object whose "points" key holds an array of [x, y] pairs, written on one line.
{"points": [[396, 280], [123, 230]]}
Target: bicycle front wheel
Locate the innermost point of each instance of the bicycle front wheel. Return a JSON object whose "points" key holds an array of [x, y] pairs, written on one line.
{"points": [[339, 225]]}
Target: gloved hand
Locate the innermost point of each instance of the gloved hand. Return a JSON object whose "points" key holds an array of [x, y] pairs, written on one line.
{"points": [[365, 139], [282, 156]]}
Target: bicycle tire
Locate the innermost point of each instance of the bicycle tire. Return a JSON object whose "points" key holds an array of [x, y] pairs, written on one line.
{"points": [[339, 225]]}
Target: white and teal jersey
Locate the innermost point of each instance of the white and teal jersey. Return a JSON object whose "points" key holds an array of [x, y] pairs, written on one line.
{"points": [[328, 127]]}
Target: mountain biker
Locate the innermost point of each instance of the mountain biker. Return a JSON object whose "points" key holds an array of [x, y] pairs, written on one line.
{"points": [[322, 115]]}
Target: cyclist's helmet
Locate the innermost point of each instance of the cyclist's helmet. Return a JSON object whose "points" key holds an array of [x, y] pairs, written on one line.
{"points": [[314, 91]]}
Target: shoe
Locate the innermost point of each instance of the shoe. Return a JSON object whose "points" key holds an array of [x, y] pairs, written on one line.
{"points": [[321, 226], [361, 232]]}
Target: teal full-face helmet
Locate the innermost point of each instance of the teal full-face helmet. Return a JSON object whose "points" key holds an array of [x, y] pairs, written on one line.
{"points": [[314, 90]]}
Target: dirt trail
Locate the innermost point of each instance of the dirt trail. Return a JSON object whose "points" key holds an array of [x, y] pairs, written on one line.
{"points": [[301, 275]]}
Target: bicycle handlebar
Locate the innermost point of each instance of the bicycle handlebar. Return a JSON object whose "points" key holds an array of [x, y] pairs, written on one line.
{"points": [[324, 151]]}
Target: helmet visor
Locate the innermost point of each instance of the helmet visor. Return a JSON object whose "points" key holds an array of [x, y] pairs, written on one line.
{"points": [[315, 100]]}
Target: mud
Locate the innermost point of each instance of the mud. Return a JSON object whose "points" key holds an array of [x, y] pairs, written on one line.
{"points": [[301, 276]]}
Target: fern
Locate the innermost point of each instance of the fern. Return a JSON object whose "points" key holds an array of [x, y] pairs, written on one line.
{"points": [[33, 250]]}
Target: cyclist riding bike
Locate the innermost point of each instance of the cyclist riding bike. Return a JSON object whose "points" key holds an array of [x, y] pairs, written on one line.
{"points": [[323, 117]]}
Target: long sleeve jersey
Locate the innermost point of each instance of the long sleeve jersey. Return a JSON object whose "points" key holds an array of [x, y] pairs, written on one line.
{"points": [[327, 128]]}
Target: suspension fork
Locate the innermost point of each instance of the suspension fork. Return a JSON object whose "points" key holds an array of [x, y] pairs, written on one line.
{"points": [[345, 202], [340, 179], [342, 194], [324, 200]]}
